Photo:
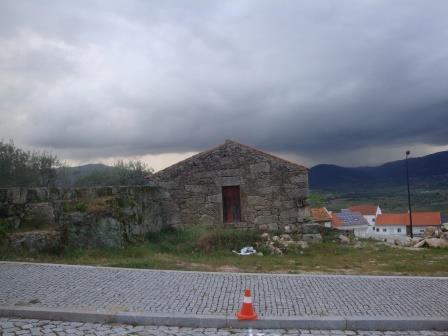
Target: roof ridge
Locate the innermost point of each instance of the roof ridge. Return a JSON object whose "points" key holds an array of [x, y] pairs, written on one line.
{"points": [[195, 156], [227, 141], [267, 154]]}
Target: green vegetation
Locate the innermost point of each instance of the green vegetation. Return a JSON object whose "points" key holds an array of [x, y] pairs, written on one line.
{"points": [[317, 200], [392, 199], [75, 206], [210, 250], [4, 229], [131, 172], [19, 168]]}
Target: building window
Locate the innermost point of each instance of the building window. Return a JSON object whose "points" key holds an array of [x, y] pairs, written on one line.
{"points": [[384, 230], [398, 230], [377, 230], [373, 220], [231, 204]]}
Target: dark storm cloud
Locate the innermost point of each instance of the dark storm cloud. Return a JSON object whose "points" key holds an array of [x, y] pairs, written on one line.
{"points": [[314, 78]]}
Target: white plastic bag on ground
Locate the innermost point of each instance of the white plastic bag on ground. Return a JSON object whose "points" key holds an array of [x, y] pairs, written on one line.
{"points": [[247, 250]]}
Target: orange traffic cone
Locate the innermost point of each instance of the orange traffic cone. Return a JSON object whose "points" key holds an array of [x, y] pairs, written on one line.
{"points": [[247, 310]]}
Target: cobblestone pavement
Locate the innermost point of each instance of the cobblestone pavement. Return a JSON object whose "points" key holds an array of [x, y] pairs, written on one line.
{"points": [[58, 328], [113, 289]]}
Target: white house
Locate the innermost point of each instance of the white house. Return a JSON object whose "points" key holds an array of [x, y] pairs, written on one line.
{"points": [[399, 224], [369, 211], [349, 220]]}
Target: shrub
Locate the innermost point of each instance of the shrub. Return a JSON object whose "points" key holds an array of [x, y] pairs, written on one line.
{"points": [[75, 206], [5, 228], [201, 238], [227, 239], [171, 240]]}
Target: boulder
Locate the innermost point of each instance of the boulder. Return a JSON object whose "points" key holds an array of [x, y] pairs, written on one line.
{"points": [[277, 251], [420, 243], [34, 241], [311, 228], [300, 243], [312, 237], [265, 236], [343, 239], [437, 243], [429, 232], [285, 237]]}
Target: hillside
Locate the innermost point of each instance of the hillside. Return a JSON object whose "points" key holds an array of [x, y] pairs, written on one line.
{"points": [[69, 176], [342, 187], [429, 170]]}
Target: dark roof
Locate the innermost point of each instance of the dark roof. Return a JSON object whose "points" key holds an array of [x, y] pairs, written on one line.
{"points": [[226, 143], [347, 218]]}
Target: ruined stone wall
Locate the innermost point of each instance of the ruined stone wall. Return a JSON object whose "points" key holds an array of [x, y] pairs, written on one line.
{"points": [[83, 217], [273, 191]]}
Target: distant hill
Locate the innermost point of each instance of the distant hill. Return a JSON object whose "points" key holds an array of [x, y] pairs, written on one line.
{"points": [[429, 170], [68, 176]]}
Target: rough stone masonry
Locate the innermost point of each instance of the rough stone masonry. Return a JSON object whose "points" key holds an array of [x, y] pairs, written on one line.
{"points": [[271, 193], [232, 185], [42, 219]]}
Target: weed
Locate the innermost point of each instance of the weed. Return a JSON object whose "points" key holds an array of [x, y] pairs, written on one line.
{"points": [[99, 205], [227, 239], [179, 249], [75, 206]]}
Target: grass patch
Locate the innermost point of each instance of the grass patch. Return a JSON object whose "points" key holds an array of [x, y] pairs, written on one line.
{"points": [[71, 206], [205, 249]]}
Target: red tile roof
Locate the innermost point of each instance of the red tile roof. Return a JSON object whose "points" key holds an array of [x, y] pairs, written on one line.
{"points": [[336, 222], [365, 209], [320, 214], [418, 218]]}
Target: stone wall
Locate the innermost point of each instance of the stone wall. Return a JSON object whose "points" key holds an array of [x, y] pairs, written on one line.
{"points": [[273, 191], [273, 197], [83, 217]]}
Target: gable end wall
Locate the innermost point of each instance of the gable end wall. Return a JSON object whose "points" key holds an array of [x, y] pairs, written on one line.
{"points": [[273, 192]]}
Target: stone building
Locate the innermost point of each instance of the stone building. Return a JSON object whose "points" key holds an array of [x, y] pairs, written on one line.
{"points": [[238, 186]]}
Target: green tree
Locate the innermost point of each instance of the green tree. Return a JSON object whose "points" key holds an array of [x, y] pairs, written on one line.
{"points": [[317, 200], [20, 168], [132, 172]]}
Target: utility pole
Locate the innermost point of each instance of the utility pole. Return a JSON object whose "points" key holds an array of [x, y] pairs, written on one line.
{"points": [[409, 193]]}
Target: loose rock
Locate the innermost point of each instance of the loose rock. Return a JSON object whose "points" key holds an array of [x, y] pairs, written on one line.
{"points": [[343, 239]]}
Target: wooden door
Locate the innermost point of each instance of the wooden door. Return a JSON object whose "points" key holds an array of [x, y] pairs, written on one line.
{"points": [[231, 204]]}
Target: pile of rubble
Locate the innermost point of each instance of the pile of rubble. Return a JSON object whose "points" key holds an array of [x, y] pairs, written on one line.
{"points": [[280, 244], [436, 238]]}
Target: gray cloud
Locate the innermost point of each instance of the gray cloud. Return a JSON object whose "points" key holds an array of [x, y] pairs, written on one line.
{"points": [[319, 79]]}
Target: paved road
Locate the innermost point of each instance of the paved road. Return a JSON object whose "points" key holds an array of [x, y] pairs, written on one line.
{"points": [[113, 289], [58, 328]]}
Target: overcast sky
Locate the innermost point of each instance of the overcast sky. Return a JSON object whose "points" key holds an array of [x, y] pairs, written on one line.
{"points": [[347, 82]]}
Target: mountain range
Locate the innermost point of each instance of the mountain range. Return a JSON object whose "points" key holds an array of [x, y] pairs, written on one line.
{"points": [[430, 170]]}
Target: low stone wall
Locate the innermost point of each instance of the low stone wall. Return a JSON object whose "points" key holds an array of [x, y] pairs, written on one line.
{"points": [[35, 241], [84, 217]]}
